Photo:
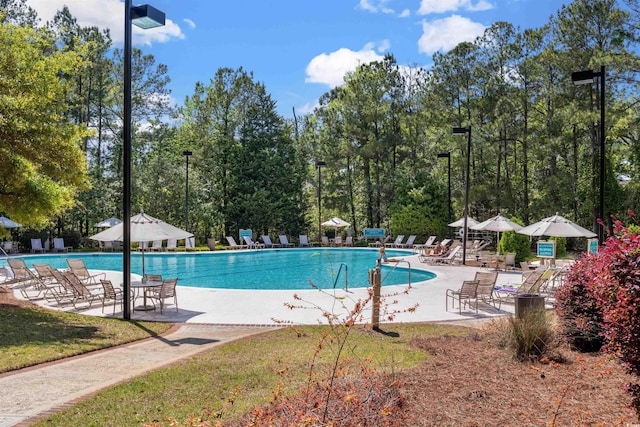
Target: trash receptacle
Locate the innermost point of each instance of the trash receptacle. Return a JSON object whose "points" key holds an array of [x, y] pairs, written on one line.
{"points": [[526, 302]]}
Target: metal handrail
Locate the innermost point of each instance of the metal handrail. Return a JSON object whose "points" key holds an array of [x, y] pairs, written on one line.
{"points": [[346, 272], [395, 266]]}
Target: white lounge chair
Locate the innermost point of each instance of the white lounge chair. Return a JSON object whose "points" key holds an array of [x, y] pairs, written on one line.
{"points": [[36, 246], [450, 258], [397, 242], [58, 245], [268, 243], [251, 244], [233, 244], [284, 241], [190, 243], [172, 244], [408, 243], [304, 241], [156, 246], [348, 241]]}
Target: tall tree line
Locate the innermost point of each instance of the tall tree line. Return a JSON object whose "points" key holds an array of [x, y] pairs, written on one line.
{"points": [[534, 134]]}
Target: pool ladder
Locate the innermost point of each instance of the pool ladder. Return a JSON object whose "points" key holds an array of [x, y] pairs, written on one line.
{"points": [[394, 267], [346, 276]]}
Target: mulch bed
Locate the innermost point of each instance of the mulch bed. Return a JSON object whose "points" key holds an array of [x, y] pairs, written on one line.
{"points": [[469, 381]]}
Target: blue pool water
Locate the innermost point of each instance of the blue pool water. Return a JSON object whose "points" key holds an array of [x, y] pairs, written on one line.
{"points": [[279, 269]]}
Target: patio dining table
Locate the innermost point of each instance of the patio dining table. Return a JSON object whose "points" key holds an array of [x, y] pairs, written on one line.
{"points": [[145, 287]]}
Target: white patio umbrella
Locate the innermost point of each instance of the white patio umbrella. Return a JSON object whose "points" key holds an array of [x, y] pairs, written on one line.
{"points": [[556, 226], [144, 228], [336, 222], [7, 223], [460, 223], [107, 223], [499, 224]]}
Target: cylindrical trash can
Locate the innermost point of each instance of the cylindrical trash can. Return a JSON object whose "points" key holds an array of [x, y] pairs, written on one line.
{"points": [[211, 242], [526, 302]]}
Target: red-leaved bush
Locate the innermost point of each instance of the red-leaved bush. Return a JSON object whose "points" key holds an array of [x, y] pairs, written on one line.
{"points": [[577, 308], [610, 281]]}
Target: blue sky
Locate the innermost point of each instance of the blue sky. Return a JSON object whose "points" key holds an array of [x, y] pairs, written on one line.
{"points": [[299, 49]]}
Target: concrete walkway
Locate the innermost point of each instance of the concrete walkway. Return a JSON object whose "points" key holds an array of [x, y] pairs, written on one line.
{"points": [[36, 392]]}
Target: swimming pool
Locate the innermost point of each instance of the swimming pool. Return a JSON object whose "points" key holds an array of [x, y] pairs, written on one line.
{"points": [[277, 269]]}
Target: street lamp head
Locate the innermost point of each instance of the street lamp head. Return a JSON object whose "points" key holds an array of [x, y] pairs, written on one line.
{"points": [[460, 131], [584, 77], [146, 17]]}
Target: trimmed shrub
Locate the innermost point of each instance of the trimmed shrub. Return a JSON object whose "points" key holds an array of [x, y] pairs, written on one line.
{"points": [[577, 308], [511, 241]]}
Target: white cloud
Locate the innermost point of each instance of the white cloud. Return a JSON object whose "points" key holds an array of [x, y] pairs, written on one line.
{"points": [[442, 6], [379, 6], [106, 14], [444, 34], [405, 14], [307, 108], [330, 68], [190, 23]]}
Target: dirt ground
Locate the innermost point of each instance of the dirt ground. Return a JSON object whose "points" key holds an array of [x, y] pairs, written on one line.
{"points": [[469, 381]]}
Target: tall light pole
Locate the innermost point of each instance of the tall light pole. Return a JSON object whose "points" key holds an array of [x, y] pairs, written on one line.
{"points": [[448, 157], [143, 17], [462, 131], [319, 165], [186, 154], [589, 77]]}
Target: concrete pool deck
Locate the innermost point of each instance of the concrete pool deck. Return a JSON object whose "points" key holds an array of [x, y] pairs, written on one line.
{"points": [[268, 308]]}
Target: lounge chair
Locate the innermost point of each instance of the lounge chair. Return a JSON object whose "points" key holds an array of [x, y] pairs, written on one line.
{"points": [[79, 269], [65, 293], [304, 241], [36, 246], [233, 244], [408, 243], [268, 243], [58, 245], [397, 242], [10, 247], [348, 241], [450, 258], [82, 292], [379, 243], [190, 244], [337, 241], [156, 246], [28, 281], [464, 295], [164, 292], [429, 244], [143, 246], [251, 244], [284, 241], [172, 244], [324, 241], [530, 284]]}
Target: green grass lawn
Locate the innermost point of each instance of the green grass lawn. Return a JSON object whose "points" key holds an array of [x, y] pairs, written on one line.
{"points": [[32, 336], [248, 366]]}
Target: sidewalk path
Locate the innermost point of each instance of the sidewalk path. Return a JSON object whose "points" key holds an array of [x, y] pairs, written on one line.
{"points": [[31, 393]]}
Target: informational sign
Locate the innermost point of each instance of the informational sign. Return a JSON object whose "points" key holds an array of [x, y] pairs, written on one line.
{"points": [[547, 249], [245, 233], [592, 246], [373, 233]]}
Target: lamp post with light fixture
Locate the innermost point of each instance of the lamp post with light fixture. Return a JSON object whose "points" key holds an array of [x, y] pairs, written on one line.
{"points": [[143, 17], [589, 77], [462, 131]]}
